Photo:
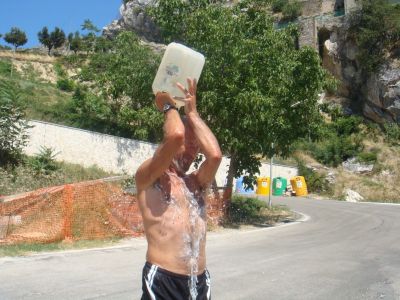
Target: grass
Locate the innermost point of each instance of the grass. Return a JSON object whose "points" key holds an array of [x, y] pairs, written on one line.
{"points": [[23, 178], [27, 249], [248, 210], [43, 101], [380, 185]]}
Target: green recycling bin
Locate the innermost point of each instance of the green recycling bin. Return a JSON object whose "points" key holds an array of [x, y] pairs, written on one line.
{"points": [[279, 185]]}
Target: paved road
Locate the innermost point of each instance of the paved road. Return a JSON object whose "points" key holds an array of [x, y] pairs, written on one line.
{"points": [[343, 251]]}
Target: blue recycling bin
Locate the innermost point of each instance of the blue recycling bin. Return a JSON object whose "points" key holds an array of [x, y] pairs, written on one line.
{"points": [[240, 187]]}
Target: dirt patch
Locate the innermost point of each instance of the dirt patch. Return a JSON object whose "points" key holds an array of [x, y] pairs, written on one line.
{"points": [[38, 70]]}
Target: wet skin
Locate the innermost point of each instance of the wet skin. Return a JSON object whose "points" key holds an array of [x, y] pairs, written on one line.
{"points": [[171, 202], [174, 215]]}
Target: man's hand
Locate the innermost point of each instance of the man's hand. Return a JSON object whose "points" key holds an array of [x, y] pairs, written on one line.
{"points": [[163, 98], [190, 95]]}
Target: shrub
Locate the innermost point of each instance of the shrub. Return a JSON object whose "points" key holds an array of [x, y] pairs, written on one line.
{"points": [[13, 125], [58, 68], [367, 157], [316, 182], [334, 150], [65, 84], [392, 133], [244, 210], [376, 29], [347, 125], [5, 67], [277, 5], [44, 162], [291, 11]]}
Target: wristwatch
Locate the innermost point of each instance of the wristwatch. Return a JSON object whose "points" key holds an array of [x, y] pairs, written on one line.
{"points": [[167, 107]]}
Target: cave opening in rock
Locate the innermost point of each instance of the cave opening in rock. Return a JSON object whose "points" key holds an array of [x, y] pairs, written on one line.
{"points": [[323, 35]]}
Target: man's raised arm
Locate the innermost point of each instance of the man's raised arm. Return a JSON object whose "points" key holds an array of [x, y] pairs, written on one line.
{"points": [[174, 134], [208, 143]]}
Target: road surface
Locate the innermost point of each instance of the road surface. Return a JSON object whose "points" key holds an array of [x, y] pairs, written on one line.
{"points": [[340, 251]]}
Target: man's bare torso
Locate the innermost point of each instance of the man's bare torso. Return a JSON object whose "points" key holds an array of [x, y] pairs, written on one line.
{"points": [[174, 217]]}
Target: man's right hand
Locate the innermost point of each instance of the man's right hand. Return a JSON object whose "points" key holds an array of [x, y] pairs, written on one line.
{"points": [[163, 98]]}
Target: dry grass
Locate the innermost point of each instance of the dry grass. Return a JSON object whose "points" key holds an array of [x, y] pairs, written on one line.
{"points": [[27, 57], [380, 185]]}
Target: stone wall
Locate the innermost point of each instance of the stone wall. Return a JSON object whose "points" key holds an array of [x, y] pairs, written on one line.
{"points": [[113, 154]]}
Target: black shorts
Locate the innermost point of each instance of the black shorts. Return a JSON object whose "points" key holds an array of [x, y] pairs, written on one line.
{"points": [[161, 284]]}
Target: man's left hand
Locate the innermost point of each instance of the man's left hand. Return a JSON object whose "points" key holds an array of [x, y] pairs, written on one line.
{"points": [[190, 95]]}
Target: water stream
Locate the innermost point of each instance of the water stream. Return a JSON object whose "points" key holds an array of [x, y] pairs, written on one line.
{"points": [[194, 234]]}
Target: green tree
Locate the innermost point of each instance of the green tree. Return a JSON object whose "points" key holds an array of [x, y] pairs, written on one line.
{"points": [[125, 100], [89, 26], [256, 88], [376, 29], [13, 126], [103, 44], [44, 38], [169, 15], [55, 39], [89, 40], [75, 42], [16, 37]]}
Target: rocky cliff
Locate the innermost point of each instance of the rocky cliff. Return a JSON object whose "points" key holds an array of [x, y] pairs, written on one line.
{"points": [[376, 96], [133, 17]]}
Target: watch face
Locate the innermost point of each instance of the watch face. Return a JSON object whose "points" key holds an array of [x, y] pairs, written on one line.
{"points": [[167, 106]]}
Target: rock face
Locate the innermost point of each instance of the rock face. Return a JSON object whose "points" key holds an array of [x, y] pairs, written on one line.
{"points": [[377, 96], [134, 18], [382, 94], [352, 165]]}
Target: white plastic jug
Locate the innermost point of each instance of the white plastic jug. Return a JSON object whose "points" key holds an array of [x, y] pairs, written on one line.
{"points": [[178, 63]]}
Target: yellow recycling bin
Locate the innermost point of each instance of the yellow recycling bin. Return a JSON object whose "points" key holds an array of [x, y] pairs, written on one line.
{"points": [[299, 185], [263, 184]]}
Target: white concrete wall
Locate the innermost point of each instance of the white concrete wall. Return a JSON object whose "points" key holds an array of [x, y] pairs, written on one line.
{"points": [[112, 154]]}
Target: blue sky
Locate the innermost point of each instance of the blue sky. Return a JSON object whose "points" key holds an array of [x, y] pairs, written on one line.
{"points": [[32, 15]]}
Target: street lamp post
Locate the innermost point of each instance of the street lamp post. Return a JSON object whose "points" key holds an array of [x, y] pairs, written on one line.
{"points": [[271, 163], [270, 176]]}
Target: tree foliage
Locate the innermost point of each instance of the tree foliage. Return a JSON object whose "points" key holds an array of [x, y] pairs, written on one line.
{"points": [[55, 39], [337, 140], [16, 37], [170, 16], [376, 29], [89, 40], [124, 98], [256, 88], [13, 125], [44, 38], [75, 41]]}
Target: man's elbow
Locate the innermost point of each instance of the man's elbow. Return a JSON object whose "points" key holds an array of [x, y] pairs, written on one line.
{"points": [[177, 136], [216, 156]]}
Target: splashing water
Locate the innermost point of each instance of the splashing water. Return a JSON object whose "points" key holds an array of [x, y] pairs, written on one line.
{"points": [[194, 236]]}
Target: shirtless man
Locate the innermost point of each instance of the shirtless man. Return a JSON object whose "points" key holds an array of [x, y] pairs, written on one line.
{"points": [[173, 205]]}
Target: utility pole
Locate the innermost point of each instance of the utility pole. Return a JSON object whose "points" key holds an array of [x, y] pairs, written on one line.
{"points": [[270, 176]]}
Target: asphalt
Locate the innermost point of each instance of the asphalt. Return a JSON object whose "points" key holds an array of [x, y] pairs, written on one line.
{"points": [[338, 250]]}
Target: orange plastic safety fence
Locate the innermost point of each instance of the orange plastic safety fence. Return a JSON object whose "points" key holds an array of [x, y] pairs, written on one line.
{"points": [[85, 210]]}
